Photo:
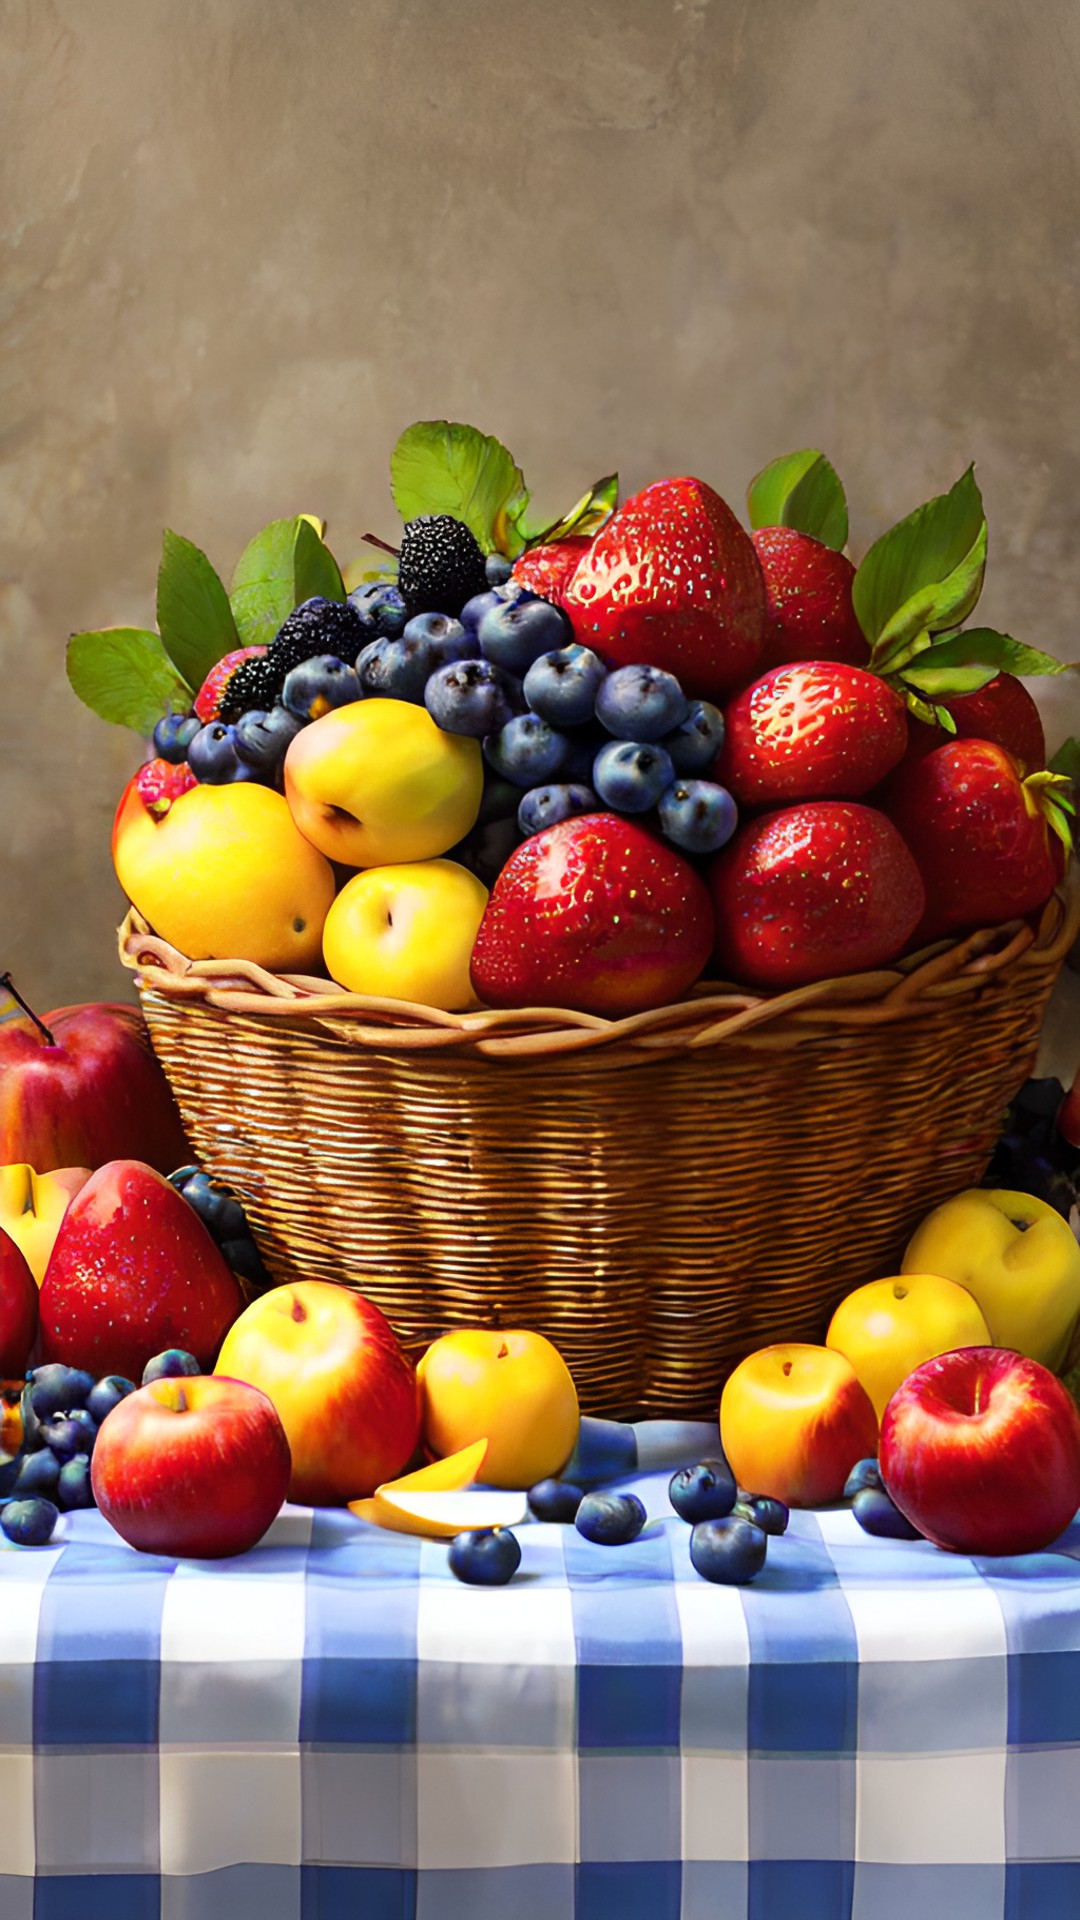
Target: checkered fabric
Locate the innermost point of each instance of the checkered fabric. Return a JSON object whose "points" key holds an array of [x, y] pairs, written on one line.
{"points": [[332, 1728]]}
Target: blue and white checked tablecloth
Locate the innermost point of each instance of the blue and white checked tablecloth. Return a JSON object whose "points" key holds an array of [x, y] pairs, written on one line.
{"points": [[332, 1728]]}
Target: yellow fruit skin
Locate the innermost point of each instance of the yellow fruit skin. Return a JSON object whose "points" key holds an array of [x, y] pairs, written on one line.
{"points": [[32, 1206], [378, 782], [226, 875], [889, 1327], [794, 1419], [1025, 1278], [407, 933], [515, 1387]]}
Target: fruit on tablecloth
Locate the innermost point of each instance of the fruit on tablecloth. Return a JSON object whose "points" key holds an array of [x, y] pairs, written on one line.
{"points": [[440, 1516], [808, 610], [1016, 1256], [556, 1501], [729, 1552], [706, 1491], [30, 1522], [107, 1393], [133, 1271], [197, 1467], [56, 1388], [170, 1365], [812, 731], [226, 874], [378, 782], [90, 1092], [61, 1410], [407, 932], [344, 1390], [610, 1519], [513, 1386], [763, 1511], [1003, 712], [604, 1450], [824, 888], [448, 1475], [487, 1557], [32, 1206], [594, 914], [880, 1516], [793, 1422], [865, 1473], [980, 1450], [889, 1327], [672, 580], [18, 1309]]}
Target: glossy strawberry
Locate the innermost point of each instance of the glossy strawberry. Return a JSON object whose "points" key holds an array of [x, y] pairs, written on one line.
{"points": [[809, 615], [978, 834], [672, 581], [160, 782], [594, 914], [209, 699], [812, 891], [809, 732], [1002, 712], [548, 571]]}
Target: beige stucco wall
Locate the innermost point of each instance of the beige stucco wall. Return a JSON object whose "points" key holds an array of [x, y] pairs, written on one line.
{"points": [[246, 241]]}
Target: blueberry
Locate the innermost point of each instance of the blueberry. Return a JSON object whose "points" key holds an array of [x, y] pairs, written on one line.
{"points": [[10, 1464], [729, 1552], [29, 1523], [319, 685], [499, 801], [517, 632], [108, 1394], [556, 1500], [582, 746], [470, 697], [220, 1213], [545, 806], [695, 744], [31, 1425], [763, 1511], [67, 1434], [497, 569], [704, 1492], [74, 1488], [526, 750], [562, 686], [865, 1473], [474, 610], [698, 816], [245, 1259], [168, 1365], [444, 638], [213, 756], [263, 739], [876, 1514], [173, 736], [641, 703], [486, 849], [610, 1519], [631, 776], [381, 609], [485, 1557], [38, 1473], [55, 1388]]}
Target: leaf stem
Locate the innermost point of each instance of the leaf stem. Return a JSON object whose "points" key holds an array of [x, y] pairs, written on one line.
{"points": [[7, 981], [372, 540]]}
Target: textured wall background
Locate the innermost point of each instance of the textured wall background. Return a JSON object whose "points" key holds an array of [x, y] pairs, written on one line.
{"points": [[246, 241]]}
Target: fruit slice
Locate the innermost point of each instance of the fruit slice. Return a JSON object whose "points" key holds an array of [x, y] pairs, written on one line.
{"points": [[439, 1516], [442, 1476]]}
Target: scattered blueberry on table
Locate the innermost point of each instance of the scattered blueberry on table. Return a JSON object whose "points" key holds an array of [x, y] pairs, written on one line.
{"points": [[485, 1556], [29, 1523], [555, 1500], [877, 1514], [706, 1491], [728, 1552], [610, 1519]]}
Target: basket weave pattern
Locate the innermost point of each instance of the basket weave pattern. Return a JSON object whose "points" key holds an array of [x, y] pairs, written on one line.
{"points": [[659, 1195]]}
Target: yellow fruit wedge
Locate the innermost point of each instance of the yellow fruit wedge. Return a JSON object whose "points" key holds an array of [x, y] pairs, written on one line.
{"points": [[439, 1516], [443, 1476]]}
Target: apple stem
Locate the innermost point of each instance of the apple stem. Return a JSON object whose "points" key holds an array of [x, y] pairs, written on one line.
{"points": [[181, 1400], [372, 540], [7, 981]]}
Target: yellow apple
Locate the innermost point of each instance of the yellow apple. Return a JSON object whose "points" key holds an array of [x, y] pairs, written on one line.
{"points": [[793, 1422], [514, 1387], [1019, 1259], [407, 933], [377, 782], [889, 1327], [32, 1206]]}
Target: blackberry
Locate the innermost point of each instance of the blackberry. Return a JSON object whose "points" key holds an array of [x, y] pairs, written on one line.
{"points": [[246, 687], [440, 565], [315, 627]]}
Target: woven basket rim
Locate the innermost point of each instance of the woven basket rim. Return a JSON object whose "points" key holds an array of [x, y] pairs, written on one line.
{"points": [[715, 1011]]}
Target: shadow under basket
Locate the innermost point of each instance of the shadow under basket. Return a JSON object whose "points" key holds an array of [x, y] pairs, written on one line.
{"points": [[659, 1195]]}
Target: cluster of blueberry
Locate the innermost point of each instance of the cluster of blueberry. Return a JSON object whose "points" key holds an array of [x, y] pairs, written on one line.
{"points": [[875, 1512], [224, 1219]]}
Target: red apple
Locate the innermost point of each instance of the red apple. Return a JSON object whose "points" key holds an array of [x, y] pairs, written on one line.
{"points": [[345, 1392], [18, 1309], [594, 914], [94, 1093], [980, 1448], [133, 1271], [194, 1466]]}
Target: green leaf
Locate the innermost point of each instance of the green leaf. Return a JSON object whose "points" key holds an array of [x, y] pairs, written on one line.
{"points": [[1067, 760], [585, 518], [924, 574], [316, 572], [124, 674], [441, 466], [944, 719], [284, 564], [922, 710], [1059, 823], [803, 491], [193, 611], [942, 680], [985, 647]]}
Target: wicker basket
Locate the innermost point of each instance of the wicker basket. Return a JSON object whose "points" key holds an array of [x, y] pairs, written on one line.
{"points": [[658, 1194]]}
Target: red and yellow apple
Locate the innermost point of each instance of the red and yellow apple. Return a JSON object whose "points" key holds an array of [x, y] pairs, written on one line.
{"points": [[407, 933], [514, 1387], [18, 1309], [794, 1420], [1019, 1259], [377, 782], [343, 1388], [889, 1327], [32, 1206], [85, 1091], [981, 1450], [191, 1466], [133, 1271]]}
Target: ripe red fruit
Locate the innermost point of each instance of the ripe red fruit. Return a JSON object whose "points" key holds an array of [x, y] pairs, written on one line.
{"points": [[982, 844], [809, 731], [812, 891], [809, 614], [158, 783], [18, 1309], [594, 914], [548, 571], [1003, 712], [673, 581], [212, 692]]}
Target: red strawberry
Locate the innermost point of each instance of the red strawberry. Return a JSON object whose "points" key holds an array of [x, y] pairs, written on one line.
{"points": [[813, 891], [594, 914], [212, 692], [1003, 712], [548, 571], [980, 838], [809, 612], [158, 783], [672, 581], [805, 732]]}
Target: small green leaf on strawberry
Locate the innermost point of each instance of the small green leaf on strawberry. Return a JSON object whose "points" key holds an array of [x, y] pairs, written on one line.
{"points": [[803, 491], [284, 565], [124, 675], [924, 574], [985, 647], [442, 466], [584, 519], [922, 710], [1067, 760], [939, 680], [194, 615], [1052, 793], [945, 719]]}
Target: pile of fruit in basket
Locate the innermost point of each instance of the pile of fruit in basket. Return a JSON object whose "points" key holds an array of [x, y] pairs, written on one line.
{"points": [[587, 763]]}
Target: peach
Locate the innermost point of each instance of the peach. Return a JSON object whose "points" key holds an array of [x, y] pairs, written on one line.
{"points": [[513, 1387], [793, 1421]]}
